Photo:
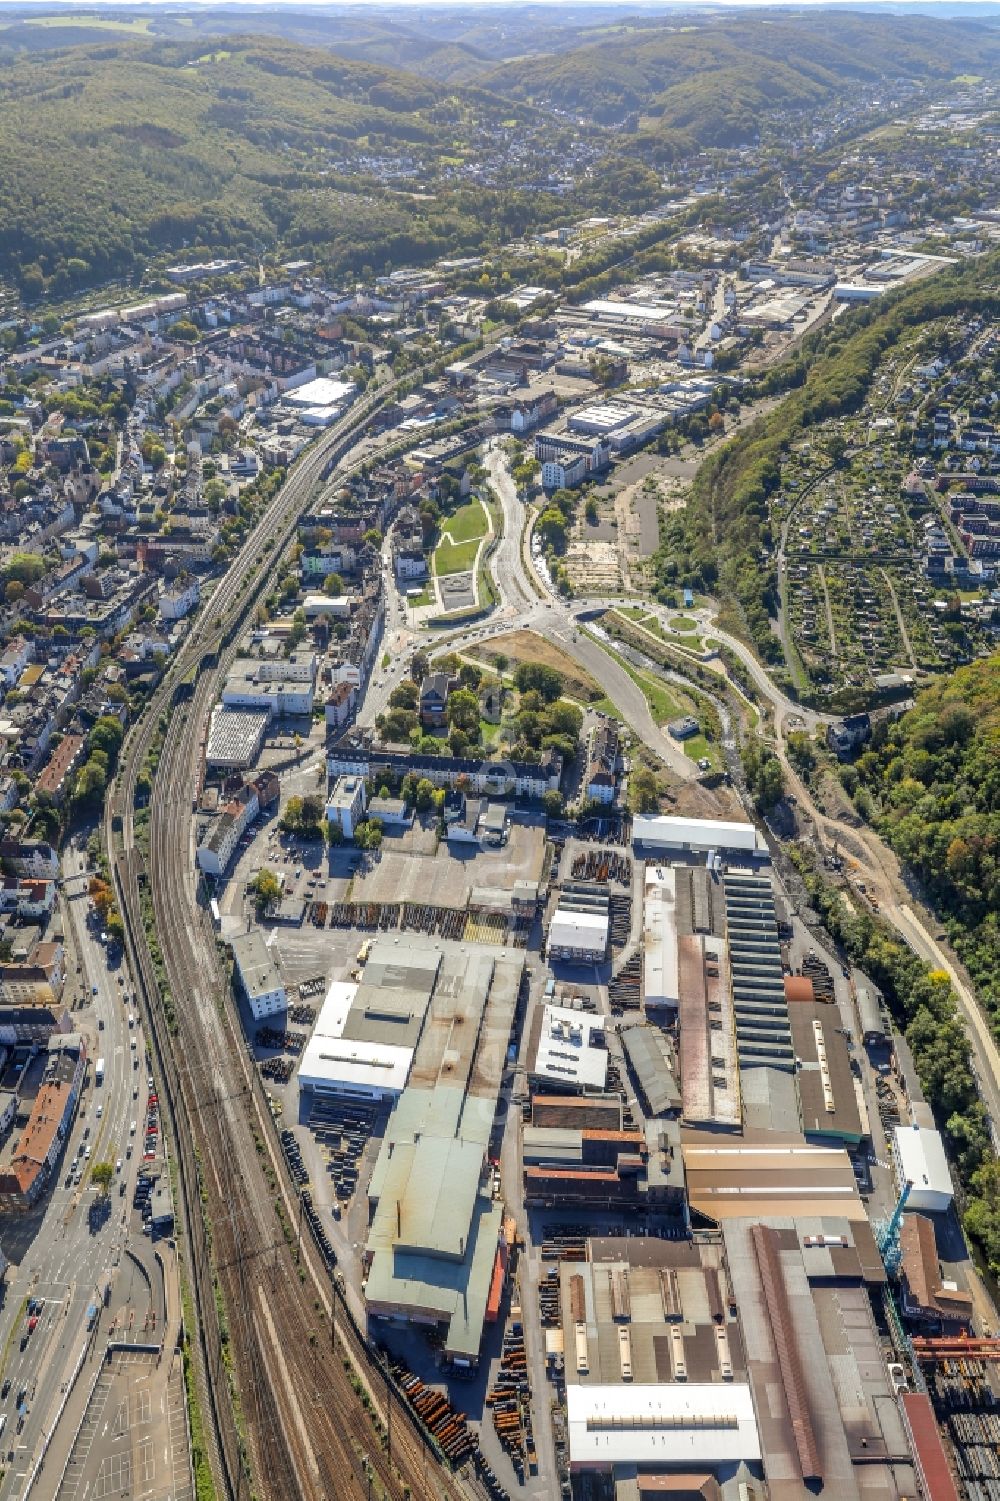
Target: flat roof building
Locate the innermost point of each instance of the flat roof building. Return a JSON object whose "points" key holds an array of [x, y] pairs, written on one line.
{"points": [[695, 835], [746, 1179], [827, 1415], [235, 738], [366, 1034], [258, 973], [651, 1059], [831, 1101], [436, 1246], [579, 928], [567, 1049], [710, 1425]]}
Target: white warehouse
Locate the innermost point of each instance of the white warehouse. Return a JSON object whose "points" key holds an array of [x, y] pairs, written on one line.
{"points": [[918, 1155], [696, 835]]}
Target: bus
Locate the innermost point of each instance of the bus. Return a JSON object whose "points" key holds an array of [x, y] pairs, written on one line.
{"points": [[99, 1071]]}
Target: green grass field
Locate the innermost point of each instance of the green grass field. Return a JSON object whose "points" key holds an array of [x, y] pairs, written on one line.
{"points": [[456, 557], [698, 746], [662, 704], [683, 623], [467, 523], [460, 538]]}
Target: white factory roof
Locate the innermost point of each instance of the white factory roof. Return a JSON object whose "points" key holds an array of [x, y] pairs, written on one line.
{"points": [[330, 1062], [578, 930], [321, 392], [921, 1159], [679, 1424], [642, 312], [332, 1018], [661, 971], [694, 833], [565, 1054]]}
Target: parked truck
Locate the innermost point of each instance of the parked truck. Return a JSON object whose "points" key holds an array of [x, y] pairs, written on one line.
{"points": [[99, 1071]]}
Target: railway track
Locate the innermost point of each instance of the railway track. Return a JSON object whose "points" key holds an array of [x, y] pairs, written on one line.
{"points": [[264, 1316]]}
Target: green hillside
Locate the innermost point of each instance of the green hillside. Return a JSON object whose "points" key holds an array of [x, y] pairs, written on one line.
{"points": [[721, 541], [934, 783], [128, 148], [711, 82]]}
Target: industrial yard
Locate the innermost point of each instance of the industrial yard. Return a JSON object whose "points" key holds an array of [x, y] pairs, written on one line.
{"points": [[593, 1134]]}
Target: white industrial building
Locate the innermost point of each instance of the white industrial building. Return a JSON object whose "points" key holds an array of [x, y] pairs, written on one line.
{"points": [[355, 1069], [704, 1426], [661, 969], [568, 1049], [258, 975], [235, 737], [321, 392], [283, 687], [578, 936], [366, 1033], [918, 1154], [695, 835]]}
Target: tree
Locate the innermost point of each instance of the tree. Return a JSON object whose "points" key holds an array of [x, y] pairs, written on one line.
{"points": [[101, 1175], [643, 791], [533, 676], [291, 818], [368, 834], [313, 809], [107, 736], [463, 711], [423, 794], [25, 567], [590, 511], [101, 895], [552, 528], [91, 781], [553, 803], [405, 695], [333, 585], [419, 667], [265, 889]]}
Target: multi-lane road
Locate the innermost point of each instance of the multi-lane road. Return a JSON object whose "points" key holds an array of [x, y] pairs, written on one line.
{"points": [[67, 1256]]}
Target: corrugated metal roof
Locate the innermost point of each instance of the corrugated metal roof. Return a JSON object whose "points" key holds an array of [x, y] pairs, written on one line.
{"points": [[928, 1449], [765, 1243]]}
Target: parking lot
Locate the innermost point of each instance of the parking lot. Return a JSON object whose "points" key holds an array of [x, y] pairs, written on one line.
{"points": [[132, 1442]]}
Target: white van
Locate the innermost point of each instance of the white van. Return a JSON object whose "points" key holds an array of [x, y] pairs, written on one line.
{"points": [[131, 1129]]}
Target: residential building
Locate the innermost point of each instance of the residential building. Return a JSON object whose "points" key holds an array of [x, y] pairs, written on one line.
{"points": [[179, 599], [346, 807], [218, 848], [434, 691], [601, 777], [55, 778], [258, 974]]}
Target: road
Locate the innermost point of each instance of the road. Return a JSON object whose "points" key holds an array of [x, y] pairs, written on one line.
{"points": [[66, 1261], [555, 618]]}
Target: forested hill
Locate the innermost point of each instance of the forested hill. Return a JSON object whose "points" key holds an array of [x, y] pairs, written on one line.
{"points": [[712, 82], [934, 783], [116, 150]]}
